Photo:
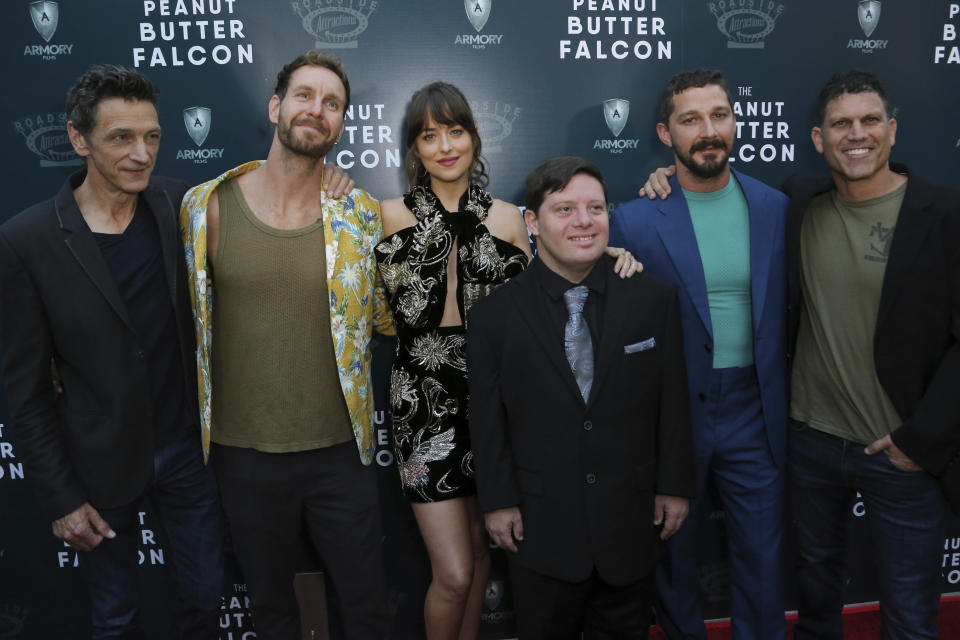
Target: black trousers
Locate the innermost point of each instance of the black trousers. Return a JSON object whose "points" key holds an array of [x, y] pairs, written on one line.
{"points": [[272, 499], [552, 609]]}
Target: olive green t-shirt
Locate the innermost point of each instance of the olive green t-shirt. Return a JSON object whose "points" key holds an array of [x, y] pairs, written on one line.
{"points": [[275, 382], [843, 255]]}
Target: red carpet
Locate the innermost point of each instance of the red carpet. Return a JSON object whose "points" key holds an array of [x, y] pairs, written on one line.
{"points": [[860, 622]]}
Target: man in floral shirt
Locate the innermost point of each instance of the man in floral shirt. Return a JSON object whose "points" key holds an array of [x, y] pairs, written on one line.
{"points": [[284, 380]]}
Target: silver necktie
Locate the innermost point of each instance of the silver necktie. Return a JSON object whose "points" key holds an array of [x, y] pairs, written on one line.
{"points": [[576, 339]]}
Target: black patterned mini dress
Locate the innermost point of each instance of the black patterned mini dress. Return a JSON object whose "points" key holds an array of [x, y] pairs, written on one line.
{"points": [[428, 383]]}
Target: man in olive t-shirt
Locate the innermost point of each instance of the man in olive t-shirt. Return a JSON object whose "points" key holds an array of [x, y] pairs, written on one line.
{"points": [[874, 318]]}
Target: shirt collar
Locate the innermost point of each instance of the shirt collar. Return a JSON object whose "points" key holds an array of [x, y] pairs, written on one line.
{"points": [[556, 285]]}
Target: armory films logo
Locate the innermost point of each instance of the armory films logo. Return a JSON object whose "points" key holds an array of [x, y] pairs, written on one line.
{"points": [[616, 29], [183, 33], [197, 121], [949, 53], [763, 133], [492, 599], [746, 23], [9, 467], [46, 136], [616, 111], [494, 122], [45, 16], [868, 14], [478, 12], [336, 24]]}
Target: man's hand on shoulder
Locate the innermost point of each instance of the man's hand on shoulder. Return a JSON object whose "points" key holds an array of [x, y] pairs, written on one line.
{"points": [[505, 526], [83, 529], [670, 511], [658, 184], [336, 181]]}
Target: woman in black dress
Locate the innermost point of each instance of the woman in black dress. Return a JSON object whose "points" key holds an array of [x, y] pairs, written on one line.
{"points": [[446, 245]]}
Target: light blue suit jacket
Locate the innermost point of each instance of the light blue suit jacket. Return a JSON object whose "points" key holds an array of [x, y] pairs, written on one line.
{"points": [[660, 234]]}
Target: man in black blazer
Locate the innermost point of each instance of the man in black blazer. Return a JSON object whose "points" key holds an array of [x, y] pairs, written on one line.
{"points": [[93, 284], [581, 434], [874, 320]]}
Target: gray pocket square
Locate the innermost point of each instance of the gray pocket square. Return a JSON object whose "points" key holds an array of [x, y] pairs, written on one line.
{"points": [[643, 345]]}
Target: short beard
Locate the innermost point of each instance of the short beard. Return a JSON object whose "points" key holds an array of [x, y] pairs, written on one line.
{"points": [[709, 168], [314, 150]]}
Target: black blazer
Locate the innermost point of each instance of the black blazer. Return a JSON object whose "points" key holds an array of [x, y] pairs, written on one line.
{"points": [[917, 337], [583, 475], [58, 300]]}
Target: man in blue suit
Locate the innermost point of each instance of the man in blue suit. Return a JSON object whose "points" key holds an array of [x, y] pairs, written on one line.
{"points": [[720, 237]]}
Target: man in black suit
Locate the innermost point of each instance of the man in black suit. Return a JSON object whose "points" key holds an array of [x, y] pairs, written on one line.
{"points": [[874, 320], [579, 463], [93, 282]]}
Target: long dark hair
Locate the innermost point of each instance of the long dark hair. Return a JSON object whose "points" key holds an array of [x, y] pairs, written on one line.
{"points": [[445, 104]]}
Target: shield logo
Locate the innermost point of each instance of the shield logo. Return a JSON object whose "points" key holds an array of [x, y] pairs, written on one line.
{"points": [[197, 122], [45, 15], [478, 11], [616, 112], [868, 11], [494, 594]]}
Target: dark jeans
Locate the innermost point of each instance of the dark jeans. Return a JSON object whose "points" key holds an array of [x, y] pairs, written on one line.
{"points": [[552, 609], [272, 500], [905, 511], [184, 496]]}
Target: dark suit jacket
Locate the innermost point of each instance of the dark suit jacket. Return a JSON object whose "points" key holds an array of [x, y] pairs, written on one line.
{"points": [[58, 300], [660, 233], [917, 337], [583, 475]]}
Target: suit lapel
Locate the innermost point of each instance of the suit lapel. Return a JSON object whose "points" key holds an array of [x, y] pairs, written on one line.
{"points": [[81, 243], [762, 241], [908, 239], [527, 299], [676, 233], [158, 203]]}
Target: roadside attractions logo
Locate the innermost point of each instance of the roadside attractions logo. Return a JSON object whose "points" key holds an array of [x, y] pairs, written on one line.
{"points": [[181, 31], [868, 15], [45, 134], [12, 620], [478, 12], [746, 23], [616, 112], [336, 24], [951, 54], [45, 16], [616, 29], [197, 121], [494, 122]]}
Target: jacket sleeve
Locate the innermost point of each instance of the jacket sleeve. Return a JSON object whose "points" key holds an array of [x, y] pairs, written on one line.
{"points": [[497, 486], [931, 436], [675, 472], [35, 422]]}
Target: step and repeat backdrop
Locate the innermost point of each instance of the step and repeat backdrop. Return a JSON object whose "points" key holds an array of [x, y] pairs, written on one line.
{"points": [[543, 77]]}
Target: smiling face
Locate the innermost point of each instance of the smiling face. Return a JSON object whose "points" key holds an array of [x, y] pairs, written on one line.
{"points": [[122, 146], [309, 117], [571, 227], [446, 151], [856, 136], [701, 131]]}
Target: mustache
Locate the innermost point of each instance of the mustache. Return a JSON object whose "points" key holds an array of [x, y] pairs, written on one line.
{"points": [[313, 122], [716, 143]]}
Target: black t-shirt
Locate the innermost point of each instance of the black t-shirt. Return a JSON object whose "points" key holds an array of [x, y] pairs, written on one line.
{"points": [[135, 258]]}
